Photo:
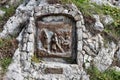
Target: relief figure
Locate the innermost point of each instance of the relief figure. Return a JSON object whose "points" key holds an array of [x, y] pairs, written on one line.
{"points": [[44, 39], [54, 44]]}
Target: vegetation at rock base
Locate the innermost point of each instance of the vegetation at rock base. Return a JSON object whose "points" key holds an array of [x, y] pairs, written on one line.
{"points": [[9, 11], [113, 30], [88, 9], [8, 45], [4, 63], [7, 49], [109, 74], [36, 59]]}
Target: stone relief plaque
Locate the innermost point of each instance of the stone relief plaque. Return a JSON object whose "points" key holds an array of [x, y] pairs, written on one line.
{"points": [[54, 39]]}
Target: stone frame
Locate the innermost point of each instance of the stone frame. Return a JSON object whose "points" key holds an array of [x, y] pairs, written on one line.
{"points": [[60, 25], [67, 10]]}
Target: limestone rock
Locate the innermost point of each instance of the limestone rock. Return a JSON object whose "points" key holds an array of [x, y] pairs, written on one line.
{"points": [[107, 20], [13, 25], [118, 54], [2, 13], [88, 48], [98, 25], [14, 2], [116, 68], [105, 57], [101, 2]]}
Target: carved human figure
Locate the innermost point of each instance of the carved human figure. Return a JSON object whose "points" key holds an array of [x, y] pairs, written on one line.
{"points": [[66, 42], [60, 38], [44, 39], [54, 44]]}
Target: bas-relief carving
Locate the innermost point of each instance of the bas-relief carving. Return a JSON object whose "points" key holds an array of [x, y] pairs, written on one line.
{"points": [[54, 38]]}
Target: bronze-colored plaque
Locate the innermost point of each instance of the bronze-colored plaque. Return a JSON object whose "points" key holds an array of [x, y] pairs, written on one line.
{"points": [[53, 71], [54, 39]]}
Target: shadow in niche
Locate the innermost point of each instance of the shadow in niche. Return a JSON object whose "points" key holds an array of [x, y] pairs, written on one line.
{"points": [[56, 39]]}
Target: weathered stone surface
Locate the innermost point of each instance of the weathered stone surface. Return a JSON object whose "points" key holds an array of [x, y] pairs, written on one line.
{"points": [[89, 45], [31, 26], [19, 38], [53, 71], [31, 38], [105, 57], [80, 44], [105, 2], [98, 25], [79, 24], [116, 68], [24, 47], [1, 73], [79, 34], [107, 20], [89, 51], [2, 13], [80, 58], [13, 25], [14, 69], [100, 2], [14, 2], [118, 54], [55, 36], [77, 17], [84, 35], [30, 47]]}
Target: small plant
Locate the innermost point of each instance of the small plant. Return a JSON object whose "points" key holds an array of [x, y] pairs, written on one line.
{"points": [[5, 63], [9, 11], [109, 74], [36, 59]]}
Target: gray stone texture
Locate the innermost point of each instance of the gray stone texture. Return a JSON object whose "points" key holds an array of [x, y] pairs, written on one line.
{"points": [[90, 48]]}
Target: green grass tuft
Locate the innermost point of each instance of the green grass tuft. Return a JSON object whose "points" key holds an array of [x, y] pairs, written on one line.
{"points": [[88, 9], [110, 74], [4, 63], [36, 59]]}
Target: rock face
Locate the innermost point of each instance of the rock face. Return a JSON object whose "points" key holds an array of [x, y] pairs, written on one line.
{"points": [[42, 30], [55, 67], [98, 25]]}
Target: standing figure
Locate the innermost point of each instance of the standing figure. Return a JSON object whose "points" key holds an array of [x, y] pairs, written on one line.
{"points": [[67, 42], [54, 44], [44, 39]]}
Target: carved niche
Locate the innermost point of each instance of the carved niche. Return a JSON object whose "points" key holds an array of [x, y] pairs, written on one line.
{"points": [[54, 36]]}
